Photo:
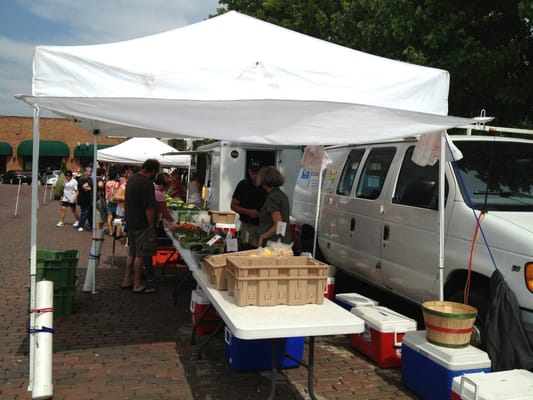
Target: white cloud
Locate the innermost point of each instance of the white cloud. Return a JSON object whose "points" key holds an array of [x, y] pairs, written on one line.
{"points": [[82, 22], [15, 52], [98, 21]]}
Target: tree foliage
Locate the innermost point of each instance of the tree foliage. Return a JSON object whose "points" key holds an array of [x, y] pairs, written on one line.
{"points": [[486, 45]]}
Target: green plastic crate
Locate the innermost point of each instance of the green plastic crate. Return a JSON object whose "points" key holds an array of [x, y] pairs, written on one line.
{"points": [[64, 300], [57, 266]]}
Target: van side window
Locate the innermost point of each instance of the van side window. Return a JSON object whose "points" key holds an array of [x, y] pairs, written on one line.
{"points": [[349, 172], [374, 172], [417, 186]]}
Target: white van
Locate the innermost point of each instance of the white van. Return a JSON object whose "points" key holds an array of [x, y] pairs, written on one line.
{"points": [[378, 219]]}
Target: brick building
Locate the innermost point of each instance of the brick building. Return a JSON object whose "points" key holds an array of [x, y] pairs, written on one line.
{"points": [[60, 139]]}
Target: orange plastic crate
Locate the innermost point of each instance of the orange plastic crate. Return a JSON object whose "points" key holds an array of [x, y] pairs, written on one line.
{"points": [[165, 257], [269, 281]]}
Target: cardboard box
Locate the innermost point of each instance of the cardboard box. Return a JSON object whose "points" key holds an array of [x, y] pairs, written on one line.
{"points": [[199, 302], [269, 281], [516, 384], [254, 355], [222, 217], [382, 338], [428, 369], [351, 300]]}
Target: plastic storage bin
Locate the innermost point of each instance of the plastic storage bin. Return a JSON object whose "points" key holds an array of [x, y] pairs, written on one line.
{"points": [[215, 267], [59, 267], [222, 217], [516, 384], [268, 281], [165, 257], [199, 303], [428, 369], [351, 300], [253, 355], [383, 334]]}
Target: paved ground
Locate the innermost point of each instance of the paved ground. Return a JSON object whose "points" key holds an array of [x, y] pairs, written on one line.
{"points": [[119, 345]]}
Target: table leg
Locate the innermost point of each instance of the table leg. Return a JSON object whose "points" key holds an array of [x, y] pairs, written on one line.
{"points": [[274, 356], [207, 339], [201, 321], [310, 368], [179, 283]]}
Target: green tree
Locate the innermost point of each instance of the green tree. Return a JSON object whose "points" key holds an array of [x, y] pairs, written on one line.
{"points": [[486, 45]]}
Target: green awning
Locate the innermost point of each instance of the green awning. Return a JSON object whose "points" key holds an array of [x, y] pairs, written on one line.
{"points": [[47, 148], [84, 150], [6, 149]]}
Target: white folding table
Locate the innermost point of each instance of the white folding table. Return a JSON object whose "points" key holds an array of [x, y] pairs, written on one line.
{"points": [[282, 321]]}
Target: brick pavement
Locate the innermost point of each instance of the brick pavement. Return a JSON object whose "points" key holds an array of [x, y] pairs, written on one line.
{"points": [[119, 345]]}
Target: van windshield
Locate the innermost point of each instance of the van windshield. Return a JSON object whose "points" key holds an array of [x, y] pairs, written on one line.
{"points": [[497, 176]]}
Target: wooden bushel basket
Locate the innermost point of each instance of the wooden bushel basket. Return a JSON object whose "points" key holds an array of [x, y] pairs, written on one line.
{"points": [[448, 323]]}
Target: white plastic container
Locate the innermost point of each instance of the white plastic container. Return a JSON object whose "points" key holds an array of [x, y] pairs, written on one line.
{"points": [[516, 384], [351, 300], [383, 334], [428, 369]]}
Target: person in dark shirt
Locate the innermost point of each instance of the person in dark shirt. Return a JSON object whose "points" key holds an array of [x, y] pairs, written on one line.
{"points": [[247, 200], [85, 198], [141, 213], [274, 219]]}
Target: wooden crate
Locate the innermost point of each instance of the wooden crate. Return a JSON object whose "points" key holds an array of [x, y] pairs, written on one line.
{"points": [[270, 281]]}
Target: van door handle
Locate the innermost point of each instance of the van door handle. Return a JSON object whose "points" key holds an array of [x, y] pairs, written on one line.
{"points": [[352, 224], [386, 232]]}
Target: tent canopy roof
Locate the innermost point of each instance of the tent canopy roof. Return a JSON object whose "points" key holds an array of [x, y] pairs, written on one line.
{"points": [[237, 78], [137, 150]]}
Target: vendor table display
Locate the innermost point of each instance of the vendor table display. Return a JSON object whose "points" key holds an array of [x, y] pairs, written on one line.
{"points": [[275, 322]]}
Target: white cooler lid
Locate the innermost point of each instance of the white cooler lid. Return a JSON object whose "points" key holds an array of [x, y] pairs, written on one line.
{"points": [[516, 384], [383, 319], [454, 359], [355, 299]]}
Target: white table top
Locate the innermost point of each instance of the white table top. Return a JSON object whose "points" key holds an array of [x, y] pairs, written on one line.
{"points": [[185, 254], [253, 322]]}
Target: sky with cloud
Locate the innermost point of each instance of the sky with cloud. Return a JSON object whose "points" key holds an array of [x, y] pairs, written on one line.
{"points": [[25, 24]]}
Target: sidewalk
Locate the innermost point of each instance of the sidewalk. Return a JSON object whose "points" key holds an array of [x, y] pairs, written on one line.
{"points": [[120, 345]]}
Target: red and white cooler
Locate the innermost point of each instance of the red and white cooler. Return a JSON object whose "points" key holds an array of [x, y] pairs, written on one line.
{"points": [[199, 302], [351, 300], [516, 384], [382, 338]]}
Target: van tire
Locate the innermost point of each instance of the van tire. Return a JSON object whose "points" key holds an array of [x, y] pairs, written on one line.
{"points": [[479, 298]]}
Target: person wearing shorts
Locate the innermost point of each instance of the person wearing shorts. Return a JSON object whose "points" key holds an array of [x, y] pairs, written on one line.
{"points": [[68, 199], [141, 212]]}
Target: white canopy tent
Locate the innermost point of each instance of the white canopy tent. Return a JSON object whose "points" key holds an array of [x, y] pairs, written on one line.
{"points": [[136, 150], [235, 78]]}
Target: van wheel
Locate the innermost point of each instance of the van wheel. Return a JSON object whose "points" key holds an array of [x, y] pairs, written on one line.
{"points": [[479, 299]]}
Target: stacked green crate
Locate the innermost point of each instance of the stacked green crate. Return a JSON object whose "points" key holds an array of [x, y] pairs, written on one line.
{"points": [[59, 267]]}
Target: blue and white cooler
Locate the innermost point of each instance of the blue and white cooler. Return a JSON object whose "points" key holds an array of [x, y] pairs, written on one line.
{"points": [[256, 354], [428, 369]]}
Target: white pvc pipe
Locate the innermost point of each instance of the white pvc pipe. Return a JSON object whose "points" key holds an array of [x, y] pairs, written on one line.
{"points": [[33, 232], [442, 165], [43, 387], [17, 202], [44, 194], [94, 259]]}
